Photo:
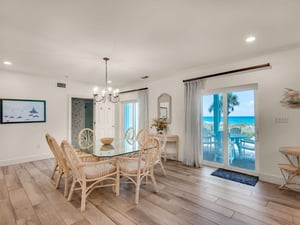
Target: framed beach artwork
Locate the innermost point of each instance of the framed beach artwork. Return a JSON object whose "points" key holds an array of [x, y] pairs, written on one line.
{"points": [[22, 111]]}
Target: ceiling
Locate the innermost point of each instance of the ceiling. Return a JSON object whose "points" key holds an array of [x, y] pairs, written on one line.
{"points": [[67, 39]]}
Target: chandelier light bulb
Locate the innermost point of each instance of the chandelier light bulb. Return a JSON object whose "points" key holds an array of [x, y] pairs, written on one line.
{"points": [[116, 92]]}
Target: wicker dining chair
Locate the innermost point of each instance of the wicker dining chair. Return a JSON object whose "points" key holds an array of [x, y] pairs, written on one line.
{"points": [[129, 134], [61, 165], [86, 138], [142, 136], [135, 169], [91, 175], [55, 168]]}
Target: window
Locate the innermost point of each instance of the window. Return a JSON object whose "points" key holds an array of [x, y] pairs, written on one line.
{"points": [[131, 118]]}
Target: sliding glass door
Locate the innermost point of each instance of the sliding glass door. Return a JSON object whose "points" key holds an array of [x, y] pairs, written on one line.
{"points": [[228, 129]]}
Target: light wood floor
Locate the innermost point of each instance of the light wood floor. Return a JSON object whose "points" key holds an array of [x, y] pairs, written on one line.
{"points": [[187, 196]]}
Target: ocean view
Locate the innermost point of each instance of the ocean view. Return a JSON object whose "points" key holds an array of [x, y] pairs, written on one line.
{"points": [[249, 120]]}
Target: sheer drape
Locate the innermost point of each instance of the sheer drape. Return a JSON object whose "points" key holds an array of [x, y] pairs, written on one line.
{"points": [[143, 109], [192, 103], [118, 133]]}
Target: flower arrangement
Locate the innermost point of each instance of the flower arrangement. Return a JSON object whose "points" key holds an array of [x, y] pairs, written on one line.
{"points": [[159, 124], [291, 98]]}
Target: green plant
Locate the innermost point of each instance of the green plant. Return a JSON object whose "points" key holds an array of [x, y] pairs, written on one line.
{"points": [[159, 123], [232, 101]]}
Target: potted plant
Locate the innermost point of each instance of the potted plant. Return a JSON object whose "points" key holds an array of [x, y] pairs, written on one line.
{"points": [[159, 124]]}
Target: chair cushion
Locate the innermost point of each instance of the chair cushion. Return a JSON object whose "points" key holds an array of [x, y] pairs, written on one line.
{"points": [[131, 166], [101, 170]]}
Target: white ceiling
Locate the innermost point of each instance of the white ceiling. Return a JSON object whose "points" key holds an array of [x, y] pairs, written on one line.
{"points": [[157, 38]]}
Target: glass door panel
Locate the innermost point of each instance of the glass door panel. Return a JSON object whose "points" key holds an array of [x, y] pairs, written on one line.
{"points": [[131, 118], [241, 129], [212, 128]]}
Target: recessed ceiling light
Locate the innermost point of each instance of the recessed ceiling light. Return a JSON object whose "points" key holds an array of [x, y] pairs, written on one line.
{"points": [[250, 39], [7, 63], [109, 81], [95, 89]]}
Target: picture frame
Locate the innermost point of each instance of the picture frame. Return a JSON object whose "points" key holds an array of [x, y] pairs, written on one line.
{"points": [[22, 111], [163, 112]]}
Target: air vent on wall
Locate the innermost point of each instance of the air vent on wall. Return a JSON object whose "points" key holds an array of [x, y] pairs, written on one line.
{"points": [[144, 77], [61, 85]]}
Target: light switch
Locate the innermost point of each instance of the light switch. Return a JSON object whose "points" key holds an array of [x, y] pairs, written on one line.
{"points": [[281, 119]]}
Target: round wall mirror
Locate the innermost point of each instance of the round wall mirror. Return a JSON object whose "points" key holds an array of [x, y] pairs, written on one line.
{"points": [[164, 107]]}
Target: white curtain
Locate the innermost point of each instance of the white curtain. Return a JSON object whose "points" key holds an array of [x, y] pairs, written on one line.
{"points": [[143, 109], [118, 110], [192, 106]]}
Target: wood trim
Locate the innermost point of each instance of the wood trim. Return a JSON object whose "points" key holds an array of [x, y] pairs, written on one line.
{"points": [[133, 90], [230, 71]]}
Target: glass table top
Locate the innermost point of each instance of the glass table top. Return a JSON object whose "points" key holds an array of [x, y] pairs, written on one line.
{"points": [[116, 148]]}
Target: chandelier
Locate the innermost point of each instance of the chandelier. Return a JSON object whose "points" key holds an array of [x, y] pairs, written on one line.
{"points": [[107, 93]]}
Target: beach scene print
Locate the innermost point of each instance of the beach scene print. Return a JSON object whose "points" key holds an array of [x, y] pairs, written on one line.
{"points": [[18, 111]]}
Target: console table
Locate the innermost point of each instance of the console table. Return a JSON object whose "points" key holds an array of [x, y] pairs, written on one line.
{"points": [[291, 170], [172, 138]]}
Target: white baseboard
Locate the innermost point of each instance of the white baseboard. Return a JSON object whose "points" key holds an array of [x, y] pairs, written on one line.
{"points": [[30, 158], [270, 178]]}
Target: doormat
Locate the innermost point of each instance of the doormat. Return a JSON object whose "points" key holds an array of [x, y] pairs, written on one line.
{"points": [[236, 176]]}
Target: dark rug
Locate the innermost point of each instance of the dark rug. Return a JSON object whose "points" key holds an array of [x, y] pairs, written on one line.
{"points": [[235, 176]]}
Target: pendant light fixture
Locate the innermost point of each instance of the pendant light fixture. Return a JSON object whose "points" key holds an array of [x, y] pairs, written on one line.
{"points": [[107, 93]]}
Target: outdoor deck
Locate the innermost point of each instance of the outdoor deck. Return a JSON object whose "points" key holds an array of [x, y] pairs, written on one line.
{"points": [[244, 161]]}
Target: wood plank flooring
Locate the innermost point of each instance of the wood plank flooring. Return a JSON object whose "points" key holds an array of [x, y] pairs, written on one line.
{"points": [[186, 196]]}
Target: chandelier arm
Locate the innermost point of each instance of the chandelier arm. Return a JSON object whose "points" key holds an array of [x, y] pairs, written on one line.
{"points": [[114, 99], [98, 99]]}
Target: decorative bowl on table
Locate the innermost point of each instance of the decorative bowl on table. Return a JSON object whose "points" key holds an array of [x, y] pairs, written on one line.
{"points": [[106, 147], [107, 140]]}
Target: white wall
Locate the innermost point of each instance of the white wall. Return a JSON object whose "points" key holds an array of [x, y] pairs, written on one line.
{"points": [[285, 72], [26, 142]]}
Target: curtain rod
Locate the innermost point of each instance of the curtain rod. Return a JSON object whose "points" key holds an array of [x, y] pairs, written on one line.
{"points": [[230, 71], [140, 89]]}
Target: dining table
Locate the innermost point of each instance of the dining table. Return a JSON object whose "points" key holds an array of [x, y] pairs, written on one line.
{"points": [[119, 147]]}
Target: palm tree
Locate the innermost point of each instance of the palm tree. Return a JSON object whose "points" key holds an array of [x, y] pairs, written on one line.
{"points": [[232, 101], [217, 107]]}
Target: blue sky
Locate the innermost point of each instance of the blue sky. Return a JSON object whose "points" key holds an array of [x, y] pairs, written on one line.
{"points": [[246, 107]]}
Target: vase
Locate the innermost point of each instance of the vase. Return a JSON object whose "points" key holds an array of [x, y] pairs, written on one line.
{"points": [[159, 130]]}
